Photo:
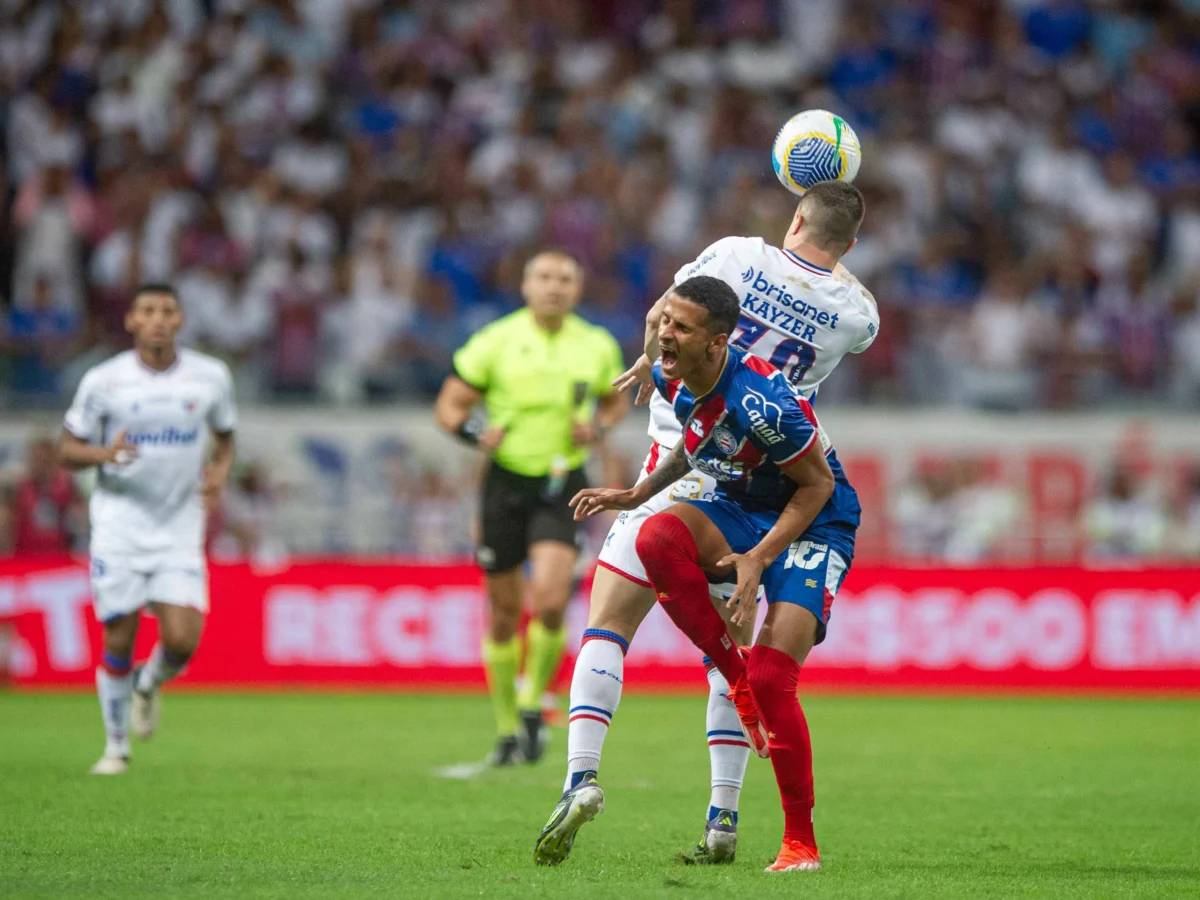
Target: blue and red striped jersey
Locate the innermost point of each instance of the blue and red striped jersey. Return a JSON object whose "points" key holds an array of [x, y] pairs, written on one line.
{"points": [[749, 425]]}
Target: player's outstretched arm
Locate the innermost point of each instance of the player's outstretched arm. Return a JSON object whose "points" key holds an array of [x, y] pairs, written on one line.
{"points": [[75, 453], [452, 411], [590, 501], [814, 486]]}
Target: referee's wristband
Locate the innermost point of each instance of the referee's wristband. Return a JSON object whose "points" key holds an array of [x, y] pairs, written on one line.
{"points": [[469, 431]]}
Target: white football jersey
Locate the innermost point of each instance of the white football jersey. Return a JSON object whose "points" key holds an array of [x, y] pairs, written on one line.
{"points": [[799, 317], [151, 509]]}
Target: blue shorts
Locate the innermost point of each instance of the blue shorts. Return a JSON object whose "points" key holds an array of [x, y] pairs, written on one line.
{"points": [[809, 573]]}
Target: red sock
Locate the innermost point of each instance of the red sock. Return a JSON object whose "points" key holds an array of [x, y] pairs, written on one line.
{"points": [[668, 551], [774, 677]]}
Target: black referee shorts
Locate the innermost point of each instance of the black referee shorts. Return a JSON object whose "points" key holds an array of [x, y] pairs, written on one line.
{"points": [[517, 512]]}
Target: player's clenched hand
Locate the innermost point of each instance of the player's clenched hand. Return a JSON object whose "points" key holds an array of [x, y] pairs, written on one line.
{"points": [[121, 452], [639, 374], [749, 574], [590, 501]]}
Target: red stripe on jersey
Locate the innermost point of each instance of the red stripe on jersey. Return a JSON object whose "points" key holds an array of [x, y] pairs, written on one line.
{"points": [[759, 365], [801, 453], [652, 459], [749, 455], [706, 415], [806, 408], [673, 389]]}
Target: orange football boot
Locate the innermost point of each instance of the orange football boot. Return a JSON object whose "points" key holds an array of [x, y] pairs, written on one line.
{"points": [[795, 857], [747, 710]]}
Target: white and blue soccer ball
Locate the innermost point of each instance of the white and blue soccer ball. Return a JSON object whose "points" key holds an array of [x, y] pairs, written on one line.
{"points": [[814, 146]]}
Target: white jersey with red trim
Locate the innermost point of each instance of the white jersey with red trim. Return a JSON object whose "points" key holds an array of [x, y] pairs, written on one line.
{"points": [[797, 316]]}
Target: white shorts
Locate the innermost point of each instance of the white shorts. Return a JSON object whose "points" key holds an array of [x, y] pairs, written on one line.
{"points": [[120, 587], [619, 553]]}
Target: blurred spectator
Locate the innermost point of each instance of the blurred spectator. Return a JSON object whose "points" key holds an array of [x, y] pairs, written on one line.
{"points": [[1136, 307], [987, 515], [40, 334], [48, 514], [248, 520], [1006, 334], [56, 218], [1185, 350], [1184, 531], [1124, 520], [925, 513]]}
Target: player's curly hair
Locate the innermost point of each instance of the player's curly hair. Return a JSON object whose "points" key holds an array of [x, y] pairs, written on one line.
{"points": [[717, 298]]}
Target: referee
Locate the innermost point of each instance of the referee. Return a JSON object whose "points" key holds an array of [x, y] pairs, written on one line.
{"points": [[545, 378]]}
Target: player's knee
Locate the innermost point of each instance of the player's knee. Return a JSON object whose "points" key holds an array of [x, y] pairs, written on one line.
{"points": [[119, 635], [551, 618], [664, 539], [179, 648], [770, 672], [118, 645], [759, 677], [503, 626]]}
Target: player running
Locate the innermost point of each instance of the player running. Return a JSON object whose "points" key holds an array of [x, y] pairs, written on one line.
{"points": [[802, 311], [143, 418], [782, 514]]}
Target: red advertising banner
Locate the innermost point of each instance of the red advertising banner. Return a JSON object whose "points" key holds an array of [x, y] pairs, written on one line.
{"points": [[344, 624]]}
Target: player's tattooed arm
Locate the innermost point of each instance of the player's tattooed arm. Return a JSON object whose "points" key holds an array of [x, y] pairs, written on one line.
{"points": [[666, 473], [593, 500]]}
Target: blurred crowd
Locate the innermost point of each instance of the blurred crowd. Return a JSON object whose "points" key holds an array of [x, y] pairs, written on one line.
{"points": [[342, 190]]}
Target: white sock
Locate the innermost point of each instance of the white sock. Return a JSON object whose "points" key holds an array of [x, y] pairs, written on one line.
{"points": [[728, 749], [161, 667], [595, 693], [114, 692]]}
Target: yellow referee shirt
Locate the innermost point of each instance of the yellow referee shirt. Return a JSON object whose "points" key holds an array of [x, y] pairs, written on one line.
{"points": [[537, 383]]}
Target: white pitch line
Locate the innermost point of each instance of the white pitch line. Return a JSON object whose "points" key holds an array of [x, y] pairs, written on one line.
{"points": [[462, 771]]}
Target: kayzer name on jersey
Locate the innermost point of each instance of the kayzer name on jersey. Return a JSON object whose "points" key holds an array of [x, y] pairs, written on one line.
{"points": [[758, 300]]}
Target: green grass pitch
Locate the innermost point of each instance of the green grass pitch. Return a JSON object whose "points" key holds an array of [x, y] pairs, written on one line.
{"points": [[309, 795]]}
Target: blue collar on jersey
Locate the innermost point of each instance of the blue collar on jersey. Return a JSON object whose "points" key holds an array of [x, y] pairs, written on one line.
{"points": [[804, 263]]}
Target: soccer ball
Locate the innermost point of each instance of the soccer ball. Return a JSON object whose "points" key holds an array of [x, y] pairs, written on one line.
{"points": [[814, 146]]}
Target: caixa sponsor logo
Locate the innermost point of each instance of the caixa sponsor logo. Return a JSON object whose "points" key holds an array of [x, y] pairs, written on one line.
{"points": [[167, 437], [761, 410]]}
